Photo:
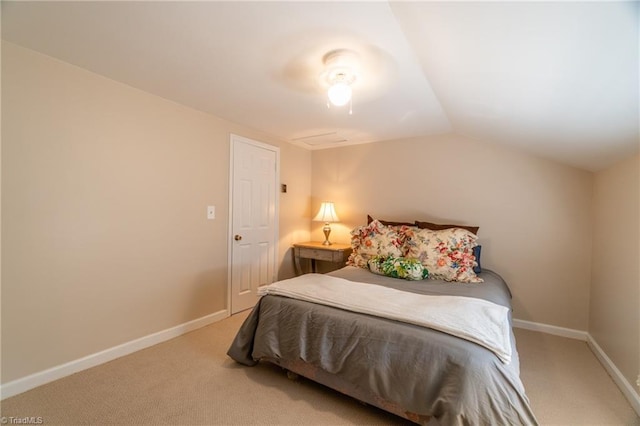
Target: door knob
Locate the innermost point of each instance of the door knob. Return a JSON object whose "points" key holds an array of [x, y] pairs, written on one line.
{"points": [[237, 237]]}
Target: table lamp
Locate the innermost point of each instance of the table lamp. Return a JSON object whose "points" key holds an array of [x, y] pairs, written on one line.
{"points": [[327, 214]]}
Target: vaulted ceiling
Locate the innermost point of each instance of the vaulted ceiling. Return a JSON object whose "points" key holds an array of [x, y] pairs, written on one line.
{"points": [[557, 79]]}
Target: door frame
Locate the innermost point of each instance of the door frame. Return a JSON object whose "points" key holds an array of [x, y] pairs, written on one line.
{"points": [[233, 140]]}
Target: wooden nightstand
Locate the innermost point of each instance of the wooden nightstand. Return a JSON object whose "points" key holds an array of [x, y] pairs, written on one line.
{"points": [[336, 253]]}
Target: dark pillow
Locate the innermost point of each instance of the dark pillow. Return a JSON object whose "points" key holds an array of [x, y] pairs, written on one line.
{"points": [[437, 227], [476, 252], [389, 223]]}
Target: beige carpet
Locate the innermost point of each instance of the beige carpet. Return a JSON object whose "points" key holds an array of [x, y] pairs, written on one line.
{"points": [[190, 381]]}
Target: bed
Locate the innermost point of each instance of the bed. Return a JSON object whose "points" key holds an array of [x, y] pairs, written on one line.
{"points": [[417, 372]]}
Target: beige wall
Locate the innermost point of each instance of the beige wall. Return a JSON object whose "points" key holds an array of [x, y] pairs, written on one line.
{"points": [[294, 204], [534, 214], [614, 321], [104, 194]]}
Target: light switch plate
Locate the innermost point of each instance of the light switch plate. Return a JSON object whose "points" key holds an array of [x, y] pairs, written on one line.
{"points": [[211, 212]]}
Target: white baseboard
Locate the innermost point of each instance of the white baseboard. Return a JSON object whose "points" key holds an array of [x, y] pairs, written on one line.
{"points": [[551, 329], [624, 385], [24, 384]]}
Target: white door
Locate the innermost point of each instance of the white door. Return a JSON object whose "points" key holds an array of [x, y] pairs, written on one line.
{"points": [[254, 207]]}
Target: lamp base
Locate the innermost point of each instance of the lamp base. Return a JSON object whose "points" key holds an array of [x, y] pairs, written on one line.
{"points": [[327, 231]]}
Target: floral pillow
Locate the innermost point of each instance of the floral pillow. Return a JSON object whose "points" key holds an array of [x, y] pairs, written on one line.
{"points": [[398, 267], [375, 239], [447, 254]]}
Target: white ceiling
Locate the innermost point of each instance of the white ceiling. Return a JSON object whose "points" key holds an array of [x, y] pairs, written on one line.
{"points": [[558, 79]]}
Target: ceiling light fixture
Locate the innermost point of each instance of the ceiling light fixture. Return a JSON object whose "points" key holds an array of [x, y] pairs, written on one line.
{"points": [[340, 91], [339, 75]]}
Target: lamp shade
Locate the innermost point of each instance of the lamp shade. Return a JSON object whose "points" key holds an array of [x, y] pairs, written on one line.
{"points": [[327, 213]]}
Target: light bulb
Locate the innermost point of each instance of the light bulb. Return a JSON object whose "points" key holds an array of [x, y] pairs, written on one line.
{"points": [[339, 93]]}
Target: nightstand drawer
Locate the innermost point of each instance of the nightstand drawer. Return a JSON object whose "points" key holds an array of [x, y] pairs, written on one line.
{"points": [[319, 254], [335, 253]]}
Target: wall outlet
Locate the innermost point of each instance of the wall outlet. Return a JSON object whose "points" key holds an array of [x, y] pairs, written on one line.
{"points": [[211, 212], [638, 381]]}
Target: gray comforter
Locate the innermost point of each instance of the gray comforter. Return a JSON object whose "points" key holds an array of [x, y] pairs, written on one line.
{"points": [[412, 371]]}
